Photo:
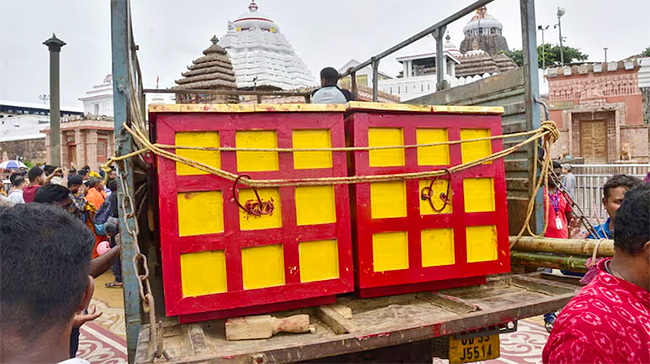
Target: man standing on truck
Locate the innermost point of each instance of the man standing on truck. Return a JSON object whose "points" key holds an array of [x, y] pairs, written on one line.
{"points": [[609, 320], [330, 93], [44, 264]]}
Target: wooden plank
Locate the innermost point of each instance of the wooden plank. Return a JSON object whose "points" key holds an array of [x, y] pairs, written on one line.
{"points": [[335, 321], [502, 298]]}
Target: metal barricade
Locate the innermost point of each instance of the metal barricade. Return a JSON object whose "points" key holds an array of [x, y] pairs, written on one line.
{"points": [[590, 179]]}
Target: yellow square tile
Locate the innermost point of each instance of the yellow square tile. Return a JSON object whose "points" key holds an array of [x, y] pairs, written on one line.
{"points": [[435, 155], [387, 199], [319, 260], [200, 213], [481, 243], [439, 186], [312, 139], [197, 139], [472, 151], [437, 247], [315, 205], [203, 273], [479, 194], [251, 222], [257, 161], [379, 137], [390, 251], [263, 266]]}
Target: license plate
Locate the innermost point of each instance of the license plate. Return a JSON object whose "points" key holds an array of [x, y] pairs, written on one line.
{"points": [[463, 350]]}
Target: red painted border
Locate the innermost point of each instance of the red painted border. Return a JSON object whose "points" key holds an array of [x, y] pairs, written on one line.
{"points": [[232, 240], [256, 310], [390, 282]]}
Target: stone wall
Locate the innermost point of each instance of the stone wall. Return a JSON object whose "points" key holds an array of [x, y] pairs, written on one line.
{"points": [[491, 43], [645, 96], [32, 150], [637, 137]]}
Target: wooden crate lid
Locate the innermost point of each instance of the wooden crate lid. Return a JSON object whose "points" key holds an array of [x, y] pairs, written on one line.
{"points": [[245, 108], [355, 106]]}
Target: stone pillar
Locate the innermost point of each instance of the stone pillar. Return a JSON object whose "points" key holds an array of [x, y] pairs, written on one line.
{"points": [[47, 148], [54, 45], [79, 139], [91, 149], [65, 159], [111, 145]]}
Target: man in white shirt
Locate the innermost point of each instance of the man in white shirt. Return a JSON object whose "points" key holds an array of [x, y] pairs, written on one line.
{"points": [[330, 93], [16, 196], [45, 284]]}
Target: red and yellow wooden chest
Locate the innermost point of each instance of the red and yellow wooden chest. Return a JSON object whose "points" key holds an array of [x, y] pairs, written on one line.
{"points": [[219, 260], [403, 244]]}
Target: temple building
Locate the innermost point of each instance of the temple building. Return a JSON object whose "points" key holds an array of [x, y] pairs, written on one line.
{"points": [[213, 71], [486, 30], [262, 57], [600, 110], [99, 100], [480, 62]]}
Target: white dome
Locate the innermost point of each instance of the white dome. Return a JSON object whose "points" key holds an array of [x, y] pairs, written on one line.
{"points": [[485, 23], [255, 19]]}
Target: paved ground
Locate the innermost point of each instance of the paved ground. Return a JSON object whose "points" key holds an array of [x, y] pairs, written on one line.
{"points": [[104, 340]]}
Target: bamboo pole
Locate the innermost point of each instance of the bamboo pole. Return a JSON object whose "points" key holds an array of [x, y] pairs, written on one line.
{"points": [[571, 263], [564, 246]]}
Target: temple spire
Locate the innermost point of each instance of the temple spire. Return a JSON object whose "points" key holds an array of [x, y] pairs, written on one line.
{"points": [[253, 7]]}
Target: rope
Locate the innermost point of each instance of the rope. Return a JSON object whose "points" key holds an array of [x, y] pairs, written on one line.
{"points": [[553, 135], [344, 149], [547, 133]]}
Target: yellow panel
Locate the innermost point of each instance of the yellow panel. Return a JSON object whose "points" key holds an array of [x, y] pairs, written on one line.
{"points": [[387, 199], [203, 273], [200, 213], [390, 251], [439, 186], [312, 139], [436, 155], [319, 260], [257, 161], [262, 266], [481, 243], [250, 222], [437, 247], [315, 205], [378, 137], [479, 194], [475, 150], [197, 139]]}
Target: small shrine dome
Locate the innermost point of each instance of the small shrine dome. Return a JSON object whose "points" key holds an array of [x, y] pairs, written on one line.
{"points": [[451, 46], [483, 23], [254, 19]]}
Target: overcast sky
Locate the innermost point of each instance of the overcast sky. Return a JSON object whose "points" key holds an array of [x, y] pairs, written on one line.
{"points": [[171, 33]]}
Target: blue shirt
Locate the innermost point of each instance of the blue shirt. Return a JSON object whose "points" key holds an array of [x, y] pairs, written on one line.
{"points": [[601, 231]]}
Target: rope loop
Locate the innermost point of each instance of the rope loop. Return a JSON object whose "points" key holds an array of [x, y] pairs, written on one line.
{"points": [[252, 207], [549, 127], [427, 192]]}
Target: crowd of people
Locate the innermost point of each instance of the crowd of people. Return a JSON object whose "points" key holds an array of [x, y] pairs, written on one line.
{"points": [[613, 310], [85, 197]]}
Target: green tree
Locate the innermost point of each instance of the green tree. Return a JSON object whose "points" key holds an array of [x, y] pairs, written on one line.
{"points": [[646, 52], [551, 53]]}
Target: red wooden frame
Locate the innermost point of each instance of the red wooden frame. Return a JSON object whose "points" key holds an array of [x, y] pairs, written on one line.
{"points": [[166, 124], [370, 283]]}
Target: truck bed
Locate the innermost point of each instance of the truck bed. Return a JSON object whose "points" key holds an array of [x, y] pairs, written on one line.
{"points": [[375, 323]]}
